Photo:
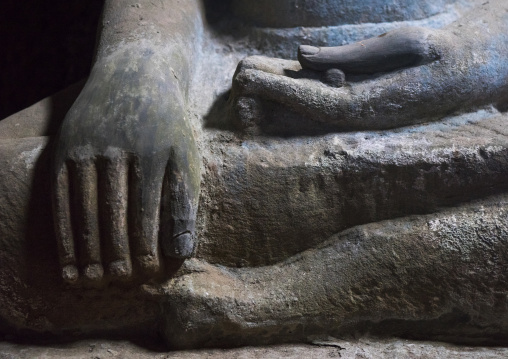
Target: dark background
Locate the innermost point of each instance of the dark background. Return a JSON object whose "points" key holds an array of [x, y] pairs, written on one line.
{"points": [[45, 46]]}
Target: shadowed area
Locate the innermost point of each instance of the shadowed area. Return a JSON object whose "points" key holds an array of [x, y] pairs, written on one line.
{"points": [[46, 46]]}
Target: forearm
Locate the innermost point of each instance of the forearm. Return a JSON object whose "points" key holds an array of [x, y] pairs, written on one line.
{"points": [[169, 28]]}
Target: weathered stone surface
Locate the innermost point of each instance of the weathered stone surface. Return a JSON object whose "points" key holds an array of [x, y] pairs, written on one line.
{"points": [[304, 232], [439, 275], [363, 349], [32, 295], [125, 162], [266, 199], [329, 12]]}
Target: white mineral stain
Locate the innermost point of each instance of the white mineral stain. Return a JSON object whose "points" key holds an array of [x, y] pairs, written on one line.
{"points": [[29, 157]]}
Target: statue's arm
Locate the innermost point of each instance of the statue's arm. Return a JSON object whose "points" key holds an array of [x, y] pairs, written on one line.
{"points": [[409, 75], [126, 162], [169, 25]]}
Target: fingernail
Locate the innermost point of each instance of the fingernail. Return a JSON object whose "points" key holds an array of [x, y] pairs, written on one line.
{"points": [[307, 50]]}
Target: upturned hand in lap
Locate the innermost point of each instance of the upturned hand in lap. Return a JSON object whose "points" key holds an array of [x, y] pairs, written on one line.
{"points": [[404, 77]]}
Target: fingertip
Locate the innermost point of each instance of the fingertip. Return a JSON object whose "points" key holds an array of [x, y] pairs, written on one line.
{"points": [[307, 50], [93, 272], [120, 269], [70, 274], [306, 54], [334, 78]]}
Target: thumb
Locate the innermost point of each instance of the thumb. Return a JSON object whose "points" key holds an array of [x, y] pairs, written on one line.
{"points": [[180, 194], [387, 52]]}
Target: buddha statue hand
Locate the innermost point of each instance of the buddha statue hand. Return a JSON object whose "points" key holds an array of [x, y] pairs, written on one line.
{"points": [[126, 172], [404, 77]]}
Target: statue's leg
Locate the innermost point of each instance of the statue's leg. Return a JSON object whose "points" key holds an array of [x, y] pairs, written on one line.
{"points": [[440, 276], [436, 272], [262, 205]]}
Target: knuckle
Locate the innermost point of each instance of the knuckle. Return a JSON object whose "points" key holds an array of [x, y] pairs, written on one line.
{"points": [[81, 154], [241, 78], [113, 153], [251, 62]]}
